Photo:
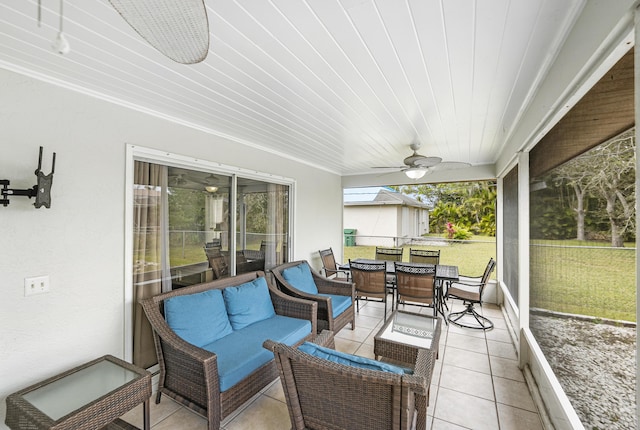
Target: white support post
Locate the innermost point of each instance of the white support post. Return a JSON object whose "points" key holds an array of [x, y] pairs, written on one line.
{"points": [[523, 250], [637, 121]]}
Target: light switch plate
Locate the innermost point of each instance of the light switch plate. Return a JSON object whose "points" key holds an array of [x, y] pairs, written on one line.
{"points": [[36, 285]]}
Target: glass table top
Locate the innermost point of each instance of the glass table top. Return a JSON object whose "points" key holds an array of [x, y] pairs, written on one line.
{"points": [[410, 328], [73, 391]]}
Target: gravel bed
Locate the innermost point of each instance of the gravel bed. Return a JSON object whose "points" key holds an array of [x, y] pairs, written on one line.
{"points": [[596, 366]]}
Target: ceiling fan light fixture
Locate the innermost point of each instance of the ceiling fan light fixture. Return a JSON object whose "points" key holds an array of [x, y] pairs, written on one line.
{"points": [[415, 172], [211, 188]]}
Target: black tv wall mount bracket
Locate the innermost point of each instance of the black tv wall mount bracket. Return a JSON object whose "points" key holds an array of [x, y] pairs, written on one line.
{"points": [[41, 191]]}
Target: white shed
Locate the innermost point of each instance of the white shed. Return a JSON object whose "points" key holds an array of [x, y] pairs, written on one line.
{"points": [[383, 217]]}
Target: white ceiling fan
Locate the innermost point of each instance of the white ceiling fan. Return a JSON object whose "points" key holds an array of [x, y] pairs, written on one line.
{"points": [[417, 165]]}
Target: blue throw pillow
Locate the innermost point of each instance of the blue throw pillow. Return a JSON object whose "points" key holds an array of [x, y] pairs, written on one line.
{"points": [[348, 359], [300, 277], [248, 303], [199, 318]]}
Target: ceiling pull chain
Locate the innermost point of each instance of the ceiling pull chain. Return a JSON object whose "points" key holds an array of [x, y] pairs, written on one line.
{"points": [[61, 44]]}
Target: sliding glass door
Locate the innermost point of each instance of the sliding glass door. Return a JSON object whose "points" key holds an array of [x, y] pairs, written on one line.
{"points": [[184, 232]]}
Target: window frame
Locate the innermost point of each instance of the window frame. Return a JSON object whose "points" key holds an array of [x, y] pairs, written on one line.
{"points": [[140, 153]]}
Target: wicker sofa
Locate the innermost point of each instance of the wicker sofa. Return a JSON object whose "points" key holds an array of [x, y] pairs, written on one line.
{"points": [[213, 368]]}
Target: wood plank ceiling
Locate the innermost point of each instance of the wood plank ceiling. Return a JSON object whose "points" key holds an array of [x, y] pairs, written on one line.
{"points": [[339, 84]]}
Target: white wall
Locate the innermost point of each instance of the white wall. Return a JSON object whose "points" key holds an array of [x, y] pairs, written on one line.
{"points": [[375, 225], [79, 241]]}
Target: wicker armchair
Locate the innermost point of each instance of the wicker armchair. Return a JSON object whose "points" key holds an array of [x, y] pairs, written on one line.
{"points": [[326, 319], [189, 374], [322, 394]]}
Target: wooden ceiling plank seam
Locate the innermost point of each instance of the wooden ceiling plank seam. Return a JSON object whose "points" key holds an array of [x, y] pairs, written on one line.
{"points": [[195, 70], [491, 97], [425, 70], [282, 89], [295, 121], [184, 77], [379, 67], [330, 36], [448, 63], [354, 67], [403, 69], [358, 70], [286, 70]]}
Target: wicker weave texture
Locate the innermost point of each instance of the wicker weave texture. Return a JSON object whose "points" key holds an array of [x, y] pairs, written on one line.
{"points": [[326, 320], [189, 374], [321, 394], [22, 415]]}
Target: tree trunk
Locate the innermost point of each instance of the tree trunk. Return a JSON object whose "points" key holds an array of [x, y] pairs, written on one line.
{"points": [[616, 237], [580, 212]]}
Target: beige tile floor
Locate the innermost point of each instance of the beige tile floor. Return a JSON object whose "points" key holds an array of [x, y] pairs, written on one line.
{"points": [[476, 383]]}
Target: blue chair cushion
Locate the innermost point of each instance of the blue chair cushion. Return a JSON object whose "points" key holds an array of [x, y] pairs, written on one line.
{"points": [[248, 303], [241, 353], [339, 304], [348, 359], [199, 318], [300, 277]]}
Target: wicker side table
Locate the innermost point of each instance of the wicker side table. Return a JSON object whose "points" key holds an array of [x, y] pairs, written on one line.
{"points": [[88, 397]]}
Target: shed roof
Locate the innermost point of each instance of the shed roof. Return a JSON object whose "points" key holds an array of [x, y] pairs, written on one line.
{"points": [[374, 196]]}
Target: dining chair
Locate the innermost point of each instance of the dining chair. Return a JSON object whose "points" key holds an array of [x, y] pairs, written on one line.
{"points": [[370, 280], [331, 268], [430, 256], [427, 256], [469, 289], [416, 284], [389, 254]]}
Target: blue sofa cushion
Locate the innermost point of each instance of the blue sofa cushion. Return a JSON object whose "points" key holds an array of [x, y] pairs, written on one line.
{"points": [[338, 303], [248, 303], [199, 318], [348, 359], [300, 277], [241, 353]]}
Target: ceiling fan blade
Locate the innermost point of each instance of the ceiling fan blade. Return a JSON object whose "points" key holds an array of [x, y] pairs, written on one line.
{"points": [[427, 161], [178, 29], [450, 165], [389, 167]]}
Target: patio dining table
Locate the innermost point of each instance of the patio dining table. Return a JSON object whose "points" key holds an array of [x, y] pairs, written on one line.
{"points": [[444, 273]]}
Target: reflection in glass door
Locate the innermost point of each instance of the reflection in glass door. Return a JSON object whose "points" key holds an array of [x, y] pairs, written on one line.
{"points": [[182, 233]]}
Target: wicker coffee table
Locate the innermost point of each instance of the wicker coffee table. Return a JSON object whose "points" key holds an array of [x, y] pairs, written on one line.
{"points": [[89, 397], [400, 339], [404, 333]]}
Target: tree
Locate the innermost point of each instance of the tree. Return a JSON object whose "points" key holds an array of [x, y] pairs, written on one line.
{"points": [[613, 166], [470, 205], [576, 174], [605, 174]]}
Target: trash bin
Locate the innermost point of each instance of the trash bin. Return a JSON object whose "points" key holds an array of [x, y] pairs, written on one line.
{"points": [[349, 237]]}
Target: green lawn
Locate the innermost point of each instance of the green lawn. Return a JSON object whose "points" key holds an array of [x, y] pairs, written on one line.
{"points": [[470, 257], [595, 281]]}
